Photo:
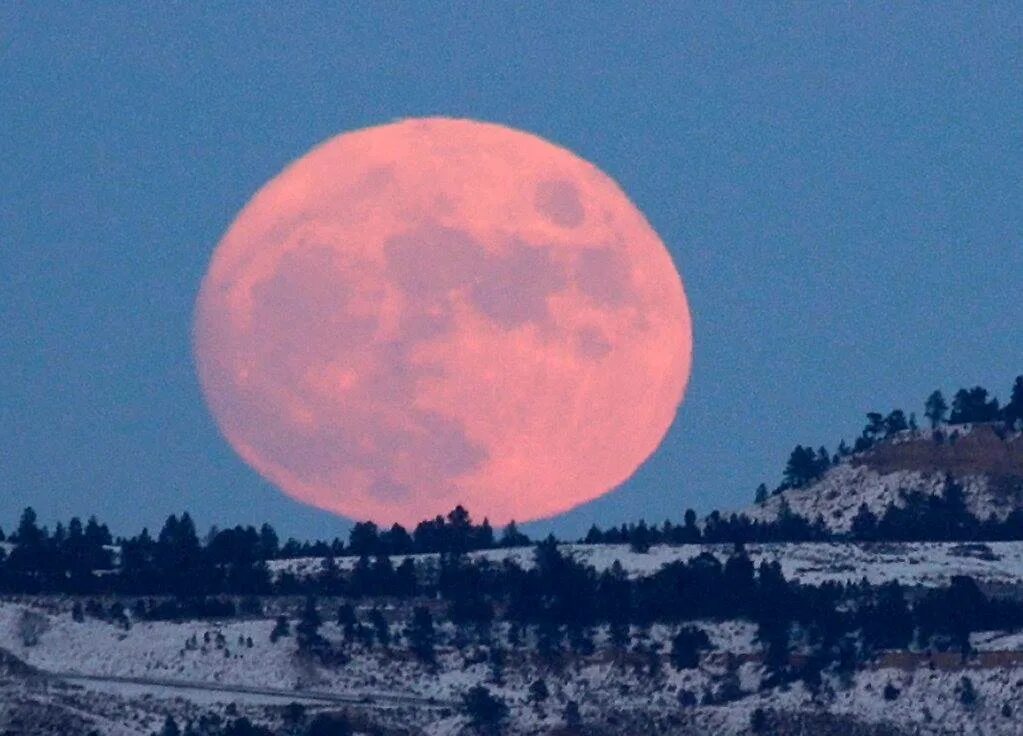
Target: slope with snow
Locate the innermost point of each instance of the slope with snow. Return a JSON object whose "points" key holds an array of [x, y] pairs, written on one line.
{"points": [[986, 461]]}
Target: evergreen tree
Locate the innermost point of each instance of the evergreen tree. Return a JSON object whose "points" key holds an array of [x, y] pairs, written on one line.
{"points": [[874, 428], [307, 631], [885, 621], [364, 539], [690, 531], [573, 719], [512, 537], [329, 724], [269, 543], [30, 553], [639, 538], [177, 556], [549, 639], [761, 494], [405, 583], [485, 710], [864, 524], [686, 646], [1013, 412], [895, 423], [936, 409], [972, 405], [396, 541], [421, 635], [380, 628], [170, 728], [805, 465], [347, 621], [538, 692], [281, 628], [28, 533]]}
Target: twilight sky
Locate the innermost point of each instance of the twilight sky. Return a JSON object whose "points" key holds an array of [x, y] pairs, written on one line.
{"points": [[840, 187]]}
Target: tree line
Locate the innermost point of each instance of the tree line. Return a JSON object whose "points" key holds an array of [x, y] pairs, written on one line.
{"points": [[969, 406], [84, 558]]}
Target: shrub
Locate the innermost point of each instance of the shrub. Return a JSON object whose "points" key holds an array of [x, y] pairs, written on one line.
{"points": [[483, 708], [31, 626], [329, 725]]}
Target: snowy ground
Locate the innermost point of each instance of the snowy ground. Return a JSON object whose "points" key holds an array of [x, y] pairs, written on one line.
{"points": [[926, 695], [726, 687], [837, 496], [920, 563]]}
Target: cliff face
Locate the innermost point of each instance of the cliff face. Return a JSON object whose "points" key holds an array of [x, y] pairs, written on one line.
{"points": [[984, 459], [984, 449]]}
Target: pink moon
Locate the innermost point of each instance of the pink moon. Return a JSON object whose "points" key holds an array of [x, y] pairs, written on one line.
{"points": [[437, 312]]}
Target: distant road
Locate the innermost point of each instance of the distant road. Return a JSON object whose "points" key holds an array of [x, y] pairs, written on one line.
{"points": [[369, 699]]}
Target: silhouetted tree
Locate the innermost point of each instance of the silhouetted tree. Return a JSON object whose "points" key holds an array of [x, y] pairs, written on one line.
{"points": [[170, 728], [396, 541], [761, 494], [421, 635], [538, 692], [686, 646], [347, 621], [307, 631], [485, 710], [281, 628], [895, 422], [973, 406], [864, 524], [512, 537], [379, 624], [1013, 412], [805, 465], [364, 539], [329, 724], [885, 619], [936, 409], [573, 719]]}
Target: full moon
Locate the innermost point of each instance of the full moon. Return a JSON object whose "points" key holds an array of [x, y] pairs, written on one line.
{"points": [[437, 312]]}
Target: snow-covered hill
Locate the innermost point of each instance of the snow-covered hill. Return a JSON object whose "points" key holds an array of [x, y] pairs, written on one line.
{"points": [[727, 687], [984, 460]]}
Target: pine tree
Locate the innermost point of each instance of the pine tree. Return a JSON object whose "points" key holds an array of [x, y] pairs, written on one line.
{"points": [[307, 631], [895, 423], [29, 534], [269, 543], [686, 646], [573, 719], [972, 405], [538, 692], [935, 409], [485, 710], [379, 624], [347, 621], [281, 628], [170, 728], [421, 635], [1013, 412], [864, 524], [761, 495], [329, 724]]}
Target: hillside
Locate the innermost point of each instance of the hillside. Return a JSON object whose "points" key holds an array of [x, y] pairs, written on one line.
{"points": [[985, 460], [95, 674]]}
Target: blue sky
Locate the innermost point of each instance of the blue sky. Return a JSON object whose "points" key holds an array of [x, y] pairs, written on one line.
{"points": [[839, 185]]}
